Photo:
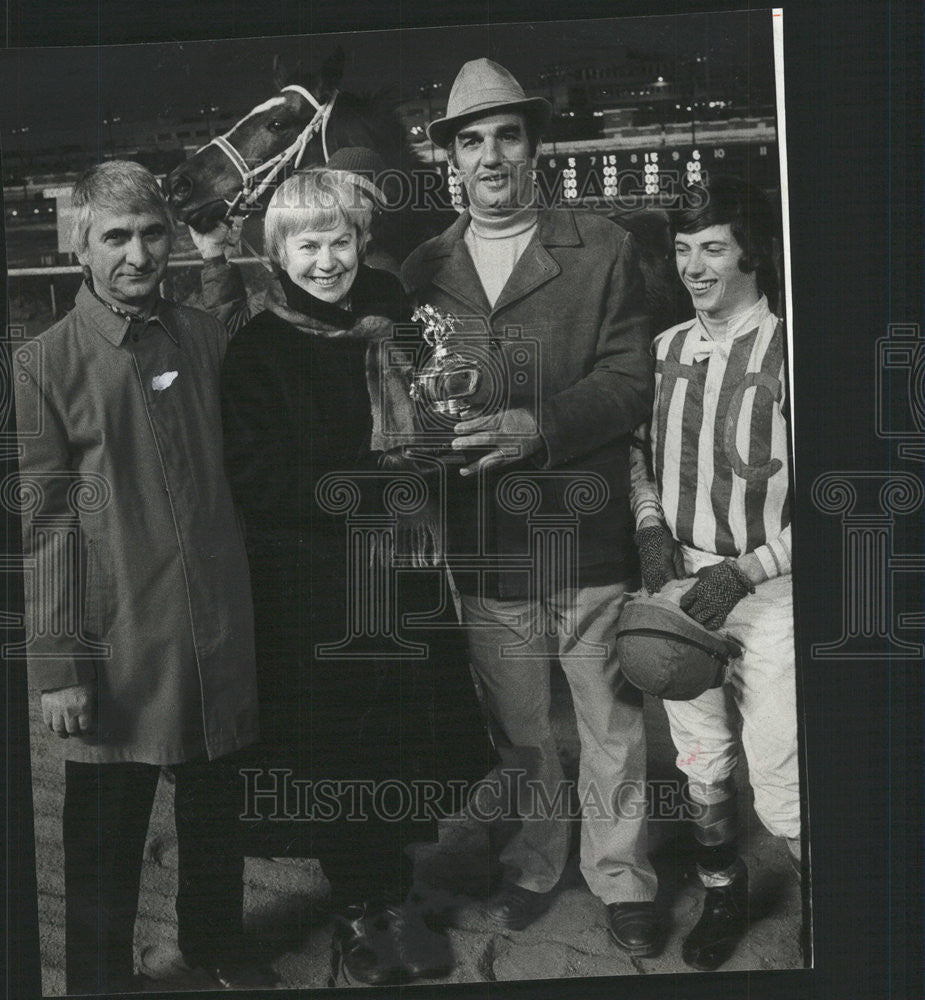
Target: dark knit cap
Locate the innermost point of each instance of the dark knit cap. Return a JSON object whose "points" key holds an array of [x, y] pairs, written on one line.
{"points": [[365, 167]]}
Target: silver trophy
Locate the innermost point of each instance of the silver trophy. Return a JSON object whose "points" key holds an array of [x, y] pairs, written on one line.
{"points": [[446, 385]]}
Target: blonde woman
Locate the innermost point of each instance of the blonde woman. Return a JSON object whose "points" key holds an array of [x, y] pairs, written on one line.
{"points": [[300, 387]]}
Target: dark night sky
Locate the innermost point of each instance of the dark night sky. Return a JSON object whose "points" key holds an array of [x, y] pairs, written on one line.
{"points": [[73, 88]]}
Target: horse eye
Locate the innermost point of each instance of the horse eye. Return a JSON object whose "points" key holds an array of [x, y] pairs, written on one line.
{"points": [[275, 125]]}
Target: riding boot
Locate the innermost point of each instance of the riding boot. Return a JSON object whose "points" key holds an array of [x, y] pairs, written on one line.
{"points": [[723, 921], [724, 918]]}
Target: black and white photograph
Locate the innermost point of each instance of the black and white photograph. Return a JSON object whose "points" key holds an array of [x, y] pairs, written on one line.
{"points": [[411, 446]]}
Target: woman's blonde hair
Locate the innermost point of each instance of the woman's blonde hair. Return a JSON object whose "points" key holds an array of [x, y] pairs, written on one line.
{"points": [[318, 199]]}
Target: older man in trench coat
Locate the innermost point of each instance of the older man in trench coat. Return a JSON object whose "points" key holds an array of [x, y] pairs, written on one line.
{"points": [[539, 526], [139, 620]]}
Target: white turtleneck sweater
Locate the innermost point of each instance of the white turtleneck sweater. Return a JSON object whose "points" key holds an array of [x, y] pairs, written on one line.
{"points": [[495, 244]]}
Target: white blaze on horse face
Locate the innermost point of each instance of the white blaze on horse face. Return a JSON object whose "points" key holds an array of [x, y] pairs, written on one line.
{"points": [[273, 102], [323, 262], [257, 140]]}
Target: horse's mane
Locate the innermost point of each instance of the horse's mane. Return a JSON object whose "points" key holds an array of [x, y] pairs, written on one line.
{"points": [[378, 110], [417, 219]]}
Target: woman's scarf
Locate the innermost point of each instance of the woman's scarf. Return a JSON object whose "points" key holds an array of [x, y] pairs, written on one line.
{"points": [[372, 317]]}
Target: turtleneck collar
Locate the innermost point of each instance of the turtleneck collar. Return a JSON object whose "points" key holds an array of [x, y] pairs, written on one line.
{"points": [[489, 226]]}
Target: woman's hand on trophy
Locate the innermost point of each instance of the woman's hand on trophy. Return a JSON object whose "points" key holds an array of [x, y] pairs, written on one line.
{"points": [[510, 434]]}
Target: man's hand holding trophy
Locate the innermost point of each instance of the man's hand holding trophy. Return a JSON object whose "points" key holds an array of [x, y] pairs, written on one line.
{"points": [[452, 387]]}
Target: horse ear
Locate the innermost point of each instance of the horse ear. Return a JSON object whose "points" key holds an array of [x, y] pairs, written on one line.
{"points": [[284, 75], [280, 73], [332, 72]]}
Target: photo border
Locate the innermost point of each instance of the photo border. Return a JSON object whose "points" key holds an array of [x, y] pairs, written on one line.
{"points": [[865, 785]]}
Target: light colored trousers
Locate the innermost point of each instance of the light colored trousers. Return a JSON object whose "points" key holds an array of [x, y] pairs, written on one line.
{"points": [[512, 645], [763, 685]]}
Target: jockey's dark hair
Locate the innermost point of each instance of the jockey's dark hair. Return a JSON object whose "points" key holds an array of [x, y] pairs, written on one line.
{"points": [[119, 186], [747, 210]]}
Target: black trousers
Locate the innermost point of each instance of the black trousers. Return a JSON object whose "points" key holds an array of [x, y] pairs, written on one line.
{"points": [[106, 812]]}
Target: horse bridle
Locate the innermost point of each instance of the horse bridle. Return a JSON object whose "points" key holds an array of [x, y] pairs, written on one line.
{"points": [[248, 197]]}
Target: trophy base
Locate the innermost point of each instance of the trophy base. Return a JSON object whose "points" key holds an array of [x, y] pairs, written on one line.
{"points": [[447, 455]]}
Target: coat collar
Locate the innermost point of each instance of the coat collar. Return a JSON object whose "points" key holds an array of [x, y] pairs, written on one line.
{"points": [[449, 265], [113, 326]]}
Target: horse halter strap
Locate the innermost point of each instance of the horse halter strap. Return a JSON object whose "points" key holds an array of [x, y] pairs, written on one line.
{"points": [[249, 196]]}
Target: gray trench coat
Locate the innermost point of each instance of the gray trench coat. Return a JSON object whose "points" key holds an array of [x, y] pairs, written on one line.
{"points": [[135, 571]]}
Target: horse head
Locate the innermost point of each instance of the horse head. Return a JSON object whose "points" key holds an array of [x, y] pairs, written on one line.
{"points": [[239, 165], [300, 127]]}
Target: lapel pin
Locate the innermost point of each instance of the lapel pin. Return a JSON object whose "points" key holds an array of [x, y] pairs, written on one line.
{"points": [[161, 382]]}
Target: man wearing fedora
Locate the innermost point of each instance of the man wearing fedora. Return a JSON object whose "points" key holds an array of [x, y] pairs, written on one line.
{"points": [[541, 281]]}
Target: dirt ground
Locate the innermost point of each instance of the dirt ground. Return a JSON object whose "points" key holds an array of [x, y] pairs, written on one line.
{"points": [[285, 899]]}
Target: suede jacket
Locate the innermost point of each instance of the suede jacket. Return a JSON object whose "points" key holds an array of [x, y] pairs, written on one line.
{"points": [[568, 340]]}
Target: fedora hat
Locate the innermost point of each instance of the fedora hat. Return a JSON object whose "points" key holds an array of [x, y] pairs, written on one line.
{"points": [[482, 87]]}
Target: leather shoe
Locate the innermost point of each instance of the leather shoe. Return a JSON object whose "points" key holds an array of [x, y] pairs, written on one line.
{"points": [[363, 948], [423, 953], [515, 908], [635, 928], [242, 975], [723, 921]]}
